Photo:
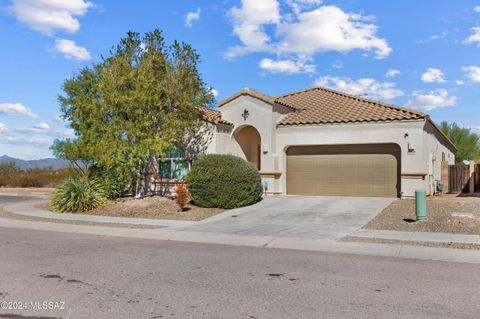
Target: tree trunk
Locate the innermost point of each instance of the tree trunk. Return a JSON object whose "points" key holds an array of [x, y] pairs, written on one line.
{"points": [[144, 178], [140, 188]]}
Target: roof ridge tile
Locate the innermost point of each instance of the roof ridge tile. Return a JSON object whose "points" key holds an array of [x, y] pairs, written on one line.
{"points": [[320, 105], [355, 97], [251, 92]]}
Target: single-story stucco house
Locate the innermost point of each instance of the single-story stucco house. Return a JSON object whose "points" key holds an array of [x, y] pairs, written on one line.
{"points": [[324, 142]]}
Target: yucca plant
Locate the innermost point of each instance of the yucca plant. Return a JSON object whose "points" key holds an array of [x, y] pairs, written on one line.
{"points": [[78, 194]]}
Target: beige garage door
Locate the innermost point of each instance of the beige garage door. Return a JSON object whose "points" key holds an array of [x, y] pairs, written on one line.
{"points": [[347, 170]]}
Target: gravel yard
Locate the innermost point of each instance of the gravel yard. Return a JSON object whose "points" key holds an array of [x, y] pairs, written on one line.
{"points": [[154, 207], [400, 216]]}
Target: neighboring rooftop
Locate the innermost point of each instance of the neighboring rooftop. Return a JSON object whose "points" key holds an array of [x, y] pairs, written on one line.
{"points": [[322, 106], [213, 116]]}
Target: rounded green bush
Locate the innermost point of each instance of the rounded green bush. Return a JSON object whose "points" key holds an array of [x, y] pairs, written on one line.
{"points": [[78, 194], [224, 181]]}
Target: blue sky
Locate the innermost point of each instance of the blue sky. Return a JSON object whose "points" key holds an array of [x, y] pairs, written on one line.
{"points": [[419, 54]]}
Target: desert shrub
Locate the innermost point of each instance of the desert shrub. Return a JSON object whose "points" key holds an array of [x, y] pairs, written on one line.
{"points": [[78, 194], [12, 176], [115, 180], [7, 173], [224, 181], [181, 195]]}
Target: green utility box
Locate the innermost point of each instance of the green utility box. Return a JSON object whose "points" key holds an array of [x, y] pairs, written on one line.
{"points": [[421, 204]]}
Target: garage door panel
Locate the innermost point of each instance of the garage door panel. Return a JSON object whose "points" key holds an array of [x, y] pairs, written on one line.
{"points": [[347, 174]]}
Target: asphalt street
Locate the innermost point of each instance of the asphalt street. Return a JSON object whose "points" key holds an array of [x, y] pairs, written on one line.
{"points": [[106, 277]]}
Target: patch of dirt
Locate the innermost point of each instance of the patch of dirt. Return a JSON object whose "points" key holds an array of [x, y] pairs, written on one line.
{"points": [[410, 242], [154, 207], [400, 216]]}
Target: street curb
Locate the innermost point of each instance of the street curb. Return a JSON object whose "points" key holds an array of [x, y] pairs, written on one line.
{"points": [[417, 236], [384, 250]]}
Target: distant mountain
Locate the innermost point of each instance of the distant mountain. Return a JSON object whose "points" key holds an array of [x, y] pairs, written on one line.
{"points": [[40, 163]]}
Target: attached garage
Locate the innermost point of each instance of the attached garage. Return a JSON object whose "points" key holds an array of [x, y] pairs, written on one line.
{"points": [[344, 170], [321, 141]]}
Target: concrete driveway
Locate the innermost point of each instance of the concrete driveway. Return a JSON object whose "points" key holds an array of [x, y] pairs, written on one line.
{"points": [[320, 217]]}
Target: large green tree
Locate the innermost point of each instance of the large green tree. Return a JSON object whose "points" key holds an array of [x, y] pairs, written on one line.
{"points": [[467, 142], [127, 109]]}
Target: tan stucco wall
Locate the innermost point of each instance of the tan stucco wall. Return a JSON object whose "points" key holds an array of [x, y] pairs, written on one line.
{"points": [[204, 141], [261, 117], [435, 144]]}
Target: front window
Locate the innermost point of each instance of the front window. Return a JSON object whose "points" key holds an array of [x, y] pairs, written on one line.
{"points": [[174, 165]]}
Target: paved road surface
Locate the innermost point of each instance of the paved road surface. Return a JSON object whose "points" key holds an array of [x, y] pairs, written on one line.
{"points": [[104, 277]]}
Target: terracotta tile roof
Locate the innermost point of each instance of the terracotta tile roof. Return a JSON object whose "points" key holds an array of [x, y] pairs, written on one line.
{"points": [[263, 97], [321, 106], [213, 116]]}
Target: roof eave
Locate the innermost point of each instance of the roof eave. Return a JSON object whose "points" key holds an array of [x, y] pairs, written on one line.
{"points": [[441, 132], [349, 122], [250, 92]]}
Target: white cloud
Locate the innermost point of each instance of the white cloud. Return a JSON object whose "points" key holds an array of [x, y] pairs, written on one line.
{"points": [[192, 17], [441, 35], [475, 37], [49, 16], [337, 64], [286, 66], [214, 92], [71, 51], [365, 87], [16, 109], [459, 82], [472, 72], [20, 139], [391, 73], [58, 119], [433, 75], [303, 32], [300, 5], [439, 98], [249, 21], [42, 126], [63, 133], [45, 129], [28, 130], [329, 28], [3, 128], [477, 9]]}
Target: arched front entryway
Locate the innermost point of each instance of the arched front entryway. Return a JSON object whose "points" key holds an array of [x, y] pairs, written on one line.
{"points": [[249, 140]]}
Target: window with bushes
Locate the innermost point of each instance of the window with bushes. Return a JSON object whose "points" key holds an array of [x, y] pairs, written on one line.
{"points": [[174, 165]]}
